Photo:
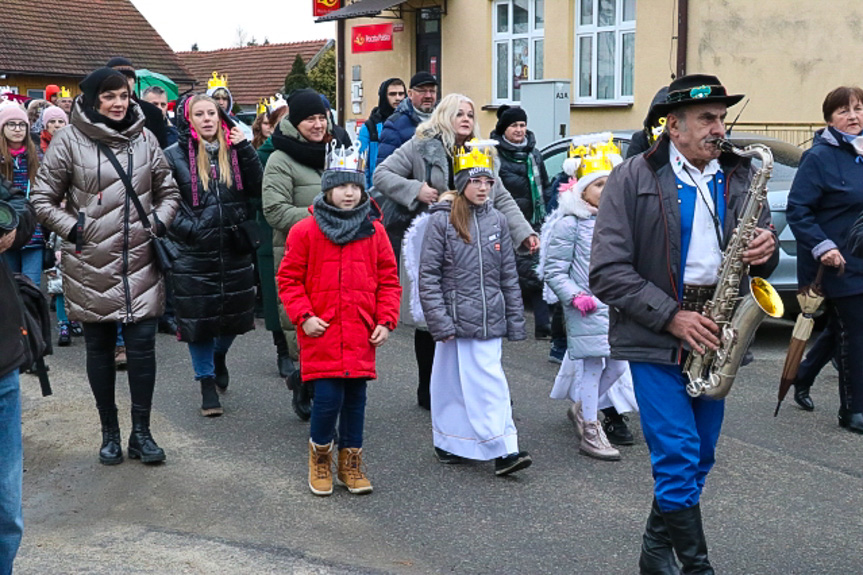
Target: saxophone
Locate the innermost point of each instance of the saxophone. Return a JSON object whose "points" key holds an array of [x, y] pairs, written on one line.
{"points": [[712, 373]]}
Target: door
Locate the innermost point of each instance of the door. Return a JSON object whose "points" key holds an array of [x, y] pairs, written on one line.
{"points": [[428, 41]]}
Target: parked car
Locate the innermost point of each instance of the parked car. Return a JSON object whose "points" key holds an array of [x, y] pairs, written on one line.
{"points": [[786, 158]]}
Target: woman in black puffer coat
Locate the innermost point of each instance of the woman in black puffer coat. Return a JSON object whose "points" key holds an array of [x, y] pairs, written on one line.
{"points": [[217, 171], [523, 175]]}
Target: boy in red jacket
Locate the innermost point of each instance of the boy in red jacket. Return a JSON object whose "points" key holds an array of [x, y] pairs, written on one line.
{"points": [[338, 282]]}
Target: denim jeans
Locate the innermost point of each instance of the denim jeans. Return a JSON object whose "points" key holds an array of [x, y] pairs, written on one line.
{"points": [[343, 400], [101, 340], [11, 470], [27, 261], [202, 353]]}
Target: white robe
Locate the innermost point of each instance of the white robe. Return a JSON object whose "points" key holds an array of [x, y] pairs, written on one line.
{"points": [[470, 402], [567, 385]]}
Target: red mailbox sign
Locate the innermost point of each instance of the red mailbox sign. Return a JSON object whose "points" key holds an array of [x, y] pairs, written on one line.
{"points": [[324, 7], [377, 38]]}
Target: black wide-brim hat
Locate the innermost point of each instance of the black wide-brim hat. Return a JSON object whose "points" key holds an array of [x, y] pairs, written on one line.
{"points": [[695, 89]]}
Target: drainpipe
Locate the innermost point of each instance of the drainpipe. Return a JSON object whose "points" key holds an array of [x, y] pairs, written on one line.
{"points": [[340, 71], [682, 35]]}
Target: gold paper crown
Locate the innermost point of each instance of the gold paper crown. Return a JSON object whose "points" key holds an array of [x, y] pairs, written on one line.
{"points": [[345, 158], [591, 153], [217, 81], [268, 105], [656, 131], [64, 92], [599, 157], [481, 155]]}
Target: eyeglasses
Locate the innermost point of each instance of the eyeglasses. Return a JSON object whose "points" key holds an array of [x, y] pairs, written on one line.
{"points": [[425, 91], [481, 182], [14, 126]]}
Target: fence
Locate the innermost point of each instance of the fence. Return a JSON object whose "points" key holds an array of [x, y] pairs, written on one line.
{"points": [[799, 134]]}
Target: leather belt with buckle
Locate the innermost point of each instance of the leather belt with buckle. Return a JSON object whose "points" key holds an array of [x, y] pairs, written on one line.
{"points": [[695, 296]]}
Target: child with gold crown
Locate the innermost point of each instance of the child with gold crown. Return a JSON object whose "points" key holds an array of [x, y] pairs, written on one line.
{"points": [[470, 297], [565, 259], [339, 285]]}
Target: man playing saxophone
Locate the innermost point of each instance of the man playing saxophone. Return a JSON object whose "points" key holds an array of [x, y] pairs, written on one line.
{"points": [[664, 220]]}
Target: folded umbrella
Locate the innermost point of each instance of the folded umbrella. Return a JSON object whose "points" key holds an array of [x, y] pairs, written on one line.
{"points": [[810, 298]]}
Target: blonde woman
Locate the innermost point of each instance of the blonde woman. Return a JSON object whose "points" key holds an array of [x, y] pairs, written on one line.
{"points": [[417, 173], [217, 171]]}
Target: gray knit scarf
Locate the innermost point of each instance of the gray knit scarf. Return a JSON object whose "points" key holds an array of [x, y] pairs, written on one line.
{"points": [[340, 226]]}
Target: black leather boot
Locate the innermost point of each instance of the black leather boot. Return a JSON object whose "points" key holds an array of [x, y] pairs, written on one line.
{"points": [[802, 398], [222, 376], [657, 554], [302, 400], [141, 444], [687, 536], [210, 405], [111, 452]]}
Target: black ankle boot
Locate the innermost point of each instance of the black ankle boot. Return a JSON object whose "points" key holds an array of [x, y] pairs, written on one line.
{"points": [[210, 405], [802, 398], [302, 400], [222, 376], [141, 444], [687, 537], [616, 429], [285, 364], [657, 554], [111, 452]]}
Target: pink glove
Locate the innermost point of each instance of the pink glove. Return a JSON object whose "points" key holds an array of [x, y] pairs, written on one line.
{"points": [[584, 303]]}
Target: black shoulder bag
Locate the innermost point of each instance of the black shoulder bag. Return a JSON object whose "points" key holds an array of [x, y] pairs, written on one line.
{"points": [[165, 252]]}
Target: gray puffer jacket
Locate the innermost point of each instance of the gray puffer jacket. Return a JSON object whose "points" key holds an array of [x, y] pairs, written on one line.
{"points": [[470, 290], [566, 252]]}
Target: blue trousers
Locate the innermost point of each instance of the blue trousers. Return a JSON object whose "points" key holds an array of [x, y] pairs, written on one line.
{"points": [[202, 353], [27, 261], [343, 400], [11, 471], [681, 433]]}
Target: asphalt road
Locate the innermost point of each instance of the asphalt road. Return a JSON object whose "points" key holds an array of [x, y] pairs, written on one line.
{"points": [[784, 498]]}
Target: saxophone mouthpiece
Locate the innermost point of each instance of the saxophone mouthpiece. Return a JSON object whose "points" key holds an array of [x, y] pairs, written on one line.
{"points": [[721, 143]]}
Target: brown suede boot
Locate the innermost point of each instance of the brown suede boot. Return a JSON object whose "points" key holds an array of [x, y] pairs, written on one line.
{"points": [[595, 444], [350, 472], [321, 468]]}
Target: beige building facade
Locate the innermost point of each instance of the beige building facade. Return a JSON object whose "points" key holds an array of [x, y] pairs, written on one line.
{"points": [[783, 54]]}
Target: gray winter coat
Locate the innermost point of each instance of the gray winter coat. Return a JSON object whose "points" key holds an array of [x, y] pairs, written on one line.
{"points": [[635, 259], [470, 290], [402, 174], [567, 258]]}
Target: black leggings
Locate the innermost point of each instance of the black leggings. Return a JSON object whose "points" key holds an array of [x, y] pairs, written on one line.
{"points": [[101, 339]]}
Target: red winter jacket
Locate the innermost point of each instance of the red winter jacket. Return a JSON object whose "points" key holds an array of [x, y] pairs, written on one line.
{"points": [[354, 288]]}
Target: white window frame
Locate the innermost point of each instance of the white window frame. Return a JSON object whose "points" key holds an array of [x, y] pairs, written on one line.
{"points": [[532, 35], [620, 29]]}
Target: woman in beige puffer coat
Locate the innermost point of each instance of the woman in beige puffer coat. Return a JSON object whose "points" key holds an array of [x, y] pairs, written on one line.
{"points": [[108, 261]]}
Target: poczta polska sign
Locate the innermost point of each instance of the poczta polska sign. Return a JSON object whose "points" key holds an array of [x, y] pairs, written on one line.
{"points": [[377, 38]]}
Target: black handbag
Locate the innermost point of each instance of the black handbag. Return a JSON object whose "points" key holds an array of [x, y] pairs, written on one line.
{"points": [[246, 236], [164, 250]]}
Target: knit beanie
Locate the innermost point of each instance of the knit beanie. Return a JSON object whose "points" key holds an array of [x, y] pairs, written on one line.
{"points": [[91, 85], [332, 178], [11, 112], [461, 178], [122, 65], [304, 103], [507, 116], [53, 113]]}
